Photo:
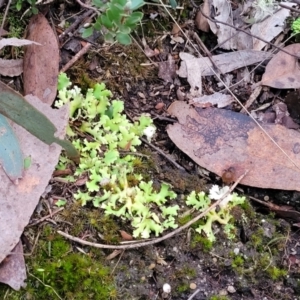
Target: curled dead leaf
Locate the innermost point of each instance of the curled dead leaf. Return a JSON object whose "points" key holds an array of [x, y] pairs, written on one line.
{"points": [[41, 63], [220, 139], [283, 71]]}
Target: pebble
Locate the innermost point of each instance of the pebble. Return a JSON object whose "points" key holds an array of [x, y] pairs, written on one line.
{"points": [[236, 251], [231, 289], [167, 288], [193, 286], [223, 293], [159, 106]]}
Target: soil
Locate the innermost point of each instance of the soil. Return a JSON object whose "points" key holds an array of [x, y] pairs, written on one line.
{"points": [[262, 262]]}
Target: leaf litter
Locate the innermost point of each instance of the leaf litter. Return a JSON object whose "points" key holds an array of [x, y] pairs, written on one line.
{"points": [[40, 77], [243, 136]]}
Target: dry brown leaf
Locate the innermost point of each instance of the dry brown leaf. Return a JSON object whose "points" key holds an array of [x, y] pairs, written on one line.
{"points": [[16, 42], [126, 236], [41, 63], [270, 27], [11, 67], [219, 140], [283, 72], [167, 69], [201, 21], [219, 99], [114, 254], [18, 202], [226, 62], [13, 269]]}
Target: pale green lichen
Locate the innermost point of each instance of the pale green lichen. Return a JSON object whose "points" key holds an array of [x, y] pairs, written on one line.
{"points": [[223, 215], [104, 131], [296, 26]]}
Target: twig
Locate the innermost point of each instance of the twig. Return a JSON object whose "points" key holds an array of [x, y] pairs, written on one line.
{"points": [[207, 52], [45, 217], [75, 24], [4, 17], [112, 272], [164, 155], [288, 7], [194, 294], [88, 7], [157, 240], [35, 243], [76, 57]]}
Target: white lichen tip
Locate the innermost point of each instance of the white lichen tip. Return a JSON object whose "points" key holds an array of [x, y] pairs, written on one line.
{"points": [[167, 288]]}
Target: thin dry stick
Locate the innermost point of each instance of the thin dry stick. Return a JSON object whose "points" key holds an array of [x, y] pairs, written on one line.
{"points": [[207, 52], [112, 272], [76, 23], [4, 17], [88, 6], [158, 240], [76, 57], [45, 217], [288, 7], [35, 243], [232, 94], [194, 294], [164, 155]]}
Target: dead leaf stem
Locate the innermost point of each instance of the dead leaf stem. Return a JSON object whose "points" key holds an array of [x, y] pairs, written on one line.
{"points": [[76, 57]]}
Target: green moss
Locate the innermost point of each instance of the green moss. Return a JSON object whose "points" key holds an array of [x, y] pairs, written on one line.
{"points": [[257, 239], [199, 241], [217, 297], [182, 220], [248, 210], [185, 272], [276, 273], [182, 287], [57, 269], [238, 261]]}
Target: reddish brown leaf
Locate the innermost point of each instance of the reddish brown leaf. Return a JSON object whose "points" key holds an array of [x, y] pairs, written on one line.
{"points": [[41, 63], [126, 236], [283, 72], [13, 270], [18, 202], [219, 139], [201, 21], [167, 69]]}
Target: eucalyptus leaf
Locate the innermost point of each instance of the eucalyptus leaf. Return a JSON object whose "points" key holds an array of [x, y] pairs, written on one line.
{"points": [[16, 108], [11, 158]]}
